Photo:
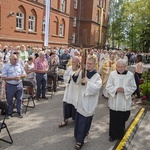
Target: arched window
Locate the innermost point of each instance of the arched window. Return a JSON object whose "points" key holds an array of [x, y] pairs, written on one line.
{"points": [[75, 4], [97, 17], [105, 5], [103, 19], [74, 22], [99, 2], [21, 18], [32, 21], [73, 37], [43, 26], [63, 6], [62, 28], [55, 26]]}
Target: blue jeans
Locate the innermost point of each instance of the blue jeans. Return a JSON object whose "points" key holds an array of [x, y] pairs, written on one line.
{"points": [[17, 92], [41, 80]]}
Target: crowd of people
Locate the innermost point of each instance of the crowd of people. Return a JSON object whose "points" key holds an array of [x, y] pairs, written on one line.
{"points": [[106, 70]]}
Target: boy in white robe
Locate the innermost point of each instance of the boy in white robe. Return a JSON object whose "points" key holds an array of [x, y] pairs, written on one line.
{"points": [[120, 86], [87, 100], [71, 93]]}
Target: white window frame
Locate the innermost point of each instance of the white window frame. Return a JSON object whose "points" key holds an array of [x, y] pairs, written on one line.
{"points": [[74, 22], [75, 4], [61, 30], [43, 26], [63, 6], [73, 37], [31, 26], [19, 20]]}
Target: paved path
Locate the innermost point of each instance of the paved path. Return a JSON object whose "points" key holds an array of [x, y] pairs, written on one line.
{"points": [[38, 130]]}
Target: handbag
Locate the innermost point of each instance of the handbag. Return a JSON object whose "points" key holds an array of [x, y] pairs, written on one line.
{"points": [[141, 81]]}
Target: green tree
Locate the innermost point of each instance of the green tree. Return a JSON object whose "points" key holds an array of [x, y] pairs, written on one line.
{"points": [[129, 23]]}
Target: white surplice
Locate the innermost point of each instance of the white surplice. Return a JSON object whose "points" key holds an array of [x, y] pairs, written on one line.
{"points": [[120, 101], [71, 90], [88, 95]]}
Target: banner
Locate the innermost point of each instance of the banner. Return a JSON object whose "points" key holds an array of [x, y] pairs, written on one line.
{"points": [[47, 22]]}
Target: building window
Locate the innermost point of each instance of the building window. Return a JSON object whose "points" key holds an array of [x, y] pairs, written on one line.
{"points": [[31, 23], [103, 19], [20, 21], [63, 6], [74, 22], [97, 17], [75, 4], [99, 2], [105, 5], [44, 2], [43, 26], [73, 37], [55, 26], [61, 30]]}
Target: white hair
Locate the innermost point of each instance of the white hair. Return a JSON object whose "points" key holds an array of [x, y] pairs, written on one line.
{"points": [[41, 53], [121, 61]]}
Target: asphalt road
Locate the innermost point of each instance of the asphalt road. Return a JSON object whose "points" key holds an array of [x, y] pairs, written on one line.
{"points": [[38, 130]]}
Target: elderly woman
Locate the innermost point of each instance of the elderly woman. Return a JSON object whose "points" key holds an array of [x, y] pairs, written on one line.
{"points": [[5, 54], [23, 53], [29, 69], [53, 69], [138, 75]]}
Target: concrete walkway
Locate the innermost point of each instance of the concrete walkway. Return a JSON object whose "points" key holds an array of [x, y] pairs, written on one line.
{"points": [[38, 130]]}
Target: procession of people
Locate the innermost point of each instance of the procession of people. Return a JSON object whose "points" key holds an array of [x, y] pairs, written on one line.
{"points": [[105, 72]]}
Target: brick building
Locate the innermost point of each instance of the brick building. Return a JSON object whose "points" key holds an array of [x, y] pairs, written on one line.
{"points": [[72, 22]]}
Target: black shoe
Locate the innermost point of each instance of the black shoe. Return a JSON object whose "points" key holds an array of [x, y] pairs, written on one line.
{"points": [[20, 116], [44, 97], [111, 139], [37, 98], [50, 89]]}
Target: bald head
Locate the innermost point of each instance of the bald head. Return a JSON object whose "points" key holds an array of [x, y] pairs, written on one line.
{"points": [[13, 59], [75, 59]]}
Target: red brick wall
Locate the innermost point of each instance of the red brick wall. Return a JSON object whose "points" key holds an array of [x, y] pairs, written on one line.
{"points": [[86, 25], [10, 36]]}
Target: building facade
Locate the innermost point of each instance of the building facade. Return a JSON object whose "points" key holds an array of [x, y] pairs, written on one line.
{"points": [[88, 22], [72, 22]]}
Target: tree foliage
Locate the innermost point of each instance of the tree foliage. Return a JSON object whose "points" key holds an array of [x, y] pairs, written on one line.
{"points": [[129, 24]]}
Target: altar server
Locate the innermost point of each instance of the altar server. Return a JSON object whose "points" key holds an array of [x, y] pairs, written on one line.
{"points": [[120, 86], [87, 100], [71, 92]]}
